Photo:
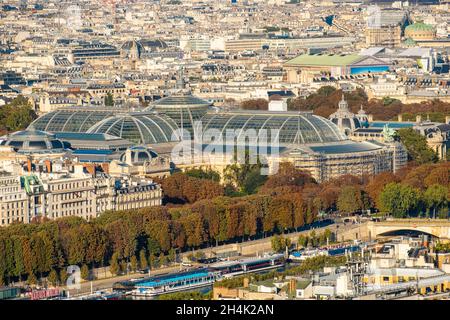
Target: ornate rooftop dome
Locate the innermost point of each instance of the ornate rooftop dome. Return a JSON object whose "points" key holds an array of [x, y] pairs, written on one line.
{"points": [[362, 117], [419, 26], [138, 155], [35, 141], [344, 118], [420, 31]]}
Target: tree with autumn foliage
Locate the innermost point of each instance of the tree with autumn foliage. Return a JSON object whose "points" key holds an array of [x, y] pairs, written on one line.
{"points": [[377, 184], [255, 104], [288, 178], [279, 243], [181, 188]]}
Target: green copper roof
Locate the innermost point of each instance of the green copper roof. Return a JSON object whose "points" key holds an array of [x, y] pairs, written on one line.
{"points": [[419, 26], [409, 42], [334, 60]]}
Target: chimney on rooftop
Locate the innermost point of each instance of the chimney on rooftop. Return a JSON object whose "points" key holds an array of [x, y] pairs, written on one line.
{"points": [[90, 168], [29, 165]]}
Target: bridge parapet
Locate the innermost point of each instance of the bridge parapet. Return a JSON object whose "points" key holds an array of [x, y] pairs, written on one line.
{"points": [[418, 222], [439, 228]]}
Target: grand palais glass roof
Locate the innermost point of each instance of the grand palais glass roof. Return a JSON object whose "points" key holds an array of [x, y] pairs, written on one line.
{"points": [[138, 127], [153, 126], [148, 128], [303, 128]]}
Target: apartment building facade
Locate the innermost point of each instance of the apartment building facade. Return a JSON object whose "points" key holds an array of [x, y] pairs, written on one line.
{"points": [[56, 195]]}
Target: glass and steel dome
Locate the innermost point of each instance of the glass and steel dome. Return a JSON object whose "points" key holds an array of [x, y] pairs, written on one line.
{"points": [[184, 109], [138, 155], [304, 128], [77, 119], [143, 127], [35, 141]]}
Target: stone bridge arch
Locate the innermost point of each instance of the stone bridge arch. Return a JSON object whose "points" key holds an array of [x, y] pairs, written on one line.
{"points": [[436, 228], [406, 231]]}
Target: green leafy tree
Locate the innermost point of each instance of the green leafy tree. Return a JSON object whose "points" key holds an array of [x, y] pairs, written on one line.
{"points": [[109, 100], [279, 243], [114, 266], [244, 174], [399, 199], [388, 101], [123, 265], [199, 255], [303, 241], [253, 181], [326, 235], [172, 255], [134, 263], [16, 115], [84, 272], [53, 278], [18, 258], [313, 238], [326, 91], [416, 145], [203, 174], [3, 269], [143, 262], [162, 259], [350, 200], [32, 280], [63, 276], [153, 261], [436, 197]]}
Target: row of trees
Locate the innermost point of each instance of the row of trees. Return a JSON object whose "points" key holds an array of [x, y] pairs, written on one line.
{"points": [[426, 184], [128, 237], [325, 101], [152, 236], [279, 242], [403, 200]]}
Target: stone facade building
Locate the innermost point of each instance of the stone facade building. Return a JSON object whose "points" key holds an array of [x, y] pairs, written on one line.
{"points": [[62, 194]]}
